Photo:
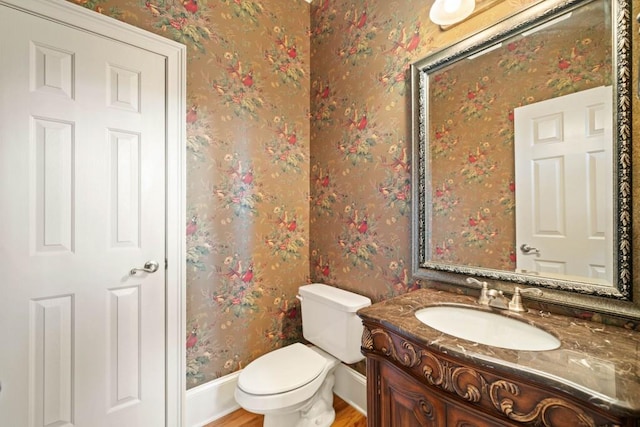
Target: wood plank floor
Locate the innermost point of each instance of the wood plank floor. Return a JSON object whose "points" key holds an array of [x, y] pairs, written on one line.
{"points": [[346, 416]]}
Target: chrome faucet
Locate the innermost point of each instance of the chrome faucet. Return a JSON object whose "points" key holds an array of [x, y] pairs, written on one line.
{"points": [[495, 298], [498, 300], [489, 297]]}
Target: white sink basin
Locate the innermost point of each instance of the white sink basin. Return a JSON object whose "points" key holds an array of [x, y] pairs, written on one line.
{"points": [[487, 328]]}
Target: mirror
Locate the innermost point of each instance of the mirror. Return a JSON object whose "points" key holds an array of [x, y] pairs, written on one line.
{"points": [[522, 147]]}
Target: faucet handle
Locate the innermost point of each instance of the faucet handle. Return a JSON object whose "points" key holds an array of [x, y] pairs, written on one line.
{"points": [[516, 301], [473, 280], [484, 292]]}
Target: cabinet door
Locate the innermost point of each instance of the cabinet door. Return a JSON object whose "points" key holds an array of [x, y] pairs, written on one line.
{"points": [[406, 403], [458, 417]]}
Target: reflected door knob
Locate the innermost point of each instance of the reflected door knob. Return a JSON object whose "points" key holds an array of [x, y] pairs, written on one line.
{"points": [[149, 267]]}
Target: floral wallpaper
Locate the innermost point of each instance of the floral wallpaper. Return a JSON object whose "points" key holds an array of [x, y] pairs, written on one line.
{"points": [[472, 168], [298, 156]]}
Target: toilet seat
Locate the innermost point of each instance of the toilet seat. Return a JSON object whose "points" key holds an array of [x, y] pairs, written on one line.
{"points": [[282, 370]]}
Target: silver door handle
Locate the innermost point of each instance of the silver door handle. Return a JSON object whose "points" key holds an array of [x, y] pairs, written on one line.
{"points": [[526, 249], [149, 267]]}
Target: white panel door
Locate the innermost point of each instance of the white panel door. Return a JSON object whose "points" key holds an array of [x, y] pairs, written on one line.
{"points": [[564, 182], [82, 196]]}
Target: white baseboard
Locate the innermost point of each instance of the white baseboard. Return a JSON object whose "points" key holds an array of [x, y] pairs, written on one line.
{"points": [[351, 386], [213, 400]]}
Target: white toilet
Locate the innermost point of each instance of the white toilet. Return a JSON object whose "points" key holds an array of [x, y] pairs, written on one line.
{"points": [[293, 386]]}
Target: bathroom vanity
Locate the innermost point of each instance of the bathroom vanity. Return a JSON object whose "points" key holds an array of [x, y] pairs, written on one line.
{"points": [[419, 376]]}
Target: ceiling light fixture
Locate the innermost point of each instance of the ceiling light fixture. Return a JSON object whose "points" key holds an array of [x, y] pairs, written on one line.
{"points": [[447, 12]]}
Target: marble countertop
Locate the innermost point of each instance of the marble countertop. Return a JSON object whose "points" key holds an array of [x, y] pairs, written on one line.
{"points": [[595, 362]]}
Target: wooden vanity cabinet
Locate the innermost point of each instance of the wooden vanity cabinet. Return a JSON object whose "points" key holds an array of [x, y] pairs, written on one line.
{"points": [[409, 385], [403, 401]]}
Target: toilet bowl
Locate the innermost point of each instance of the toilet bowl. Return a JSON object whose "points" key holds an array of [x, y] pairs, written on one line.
{"points": [[293, 386], [285, 383]]}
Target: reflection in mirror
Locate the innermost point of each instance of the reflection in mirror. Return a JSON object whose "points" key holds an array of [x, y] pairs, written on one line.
{"points": [[563, 185], [521, 136]]}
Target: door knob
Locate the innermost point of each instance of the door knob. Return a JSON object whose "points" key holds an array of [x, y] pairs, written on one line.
{"points": [[149, 267], [526, 249]]}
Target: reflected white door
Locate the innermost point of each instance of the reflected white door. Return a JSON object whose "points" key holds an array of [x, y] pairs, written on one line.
{"points": [[82, 196], [564, 184]]}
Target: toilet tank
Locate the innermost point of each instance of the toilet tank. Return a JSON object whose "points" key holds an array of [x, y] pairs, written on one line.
{"points": [[329, 320]]}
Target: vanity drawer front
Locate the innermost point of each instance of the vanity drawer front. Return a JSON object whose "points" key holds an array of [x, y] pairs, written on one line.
{"points": [[404, 402]]}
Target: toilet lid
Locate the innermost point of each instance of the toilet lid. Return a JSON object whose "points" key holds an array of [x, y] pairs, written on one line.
{"points": [[281, 370]]}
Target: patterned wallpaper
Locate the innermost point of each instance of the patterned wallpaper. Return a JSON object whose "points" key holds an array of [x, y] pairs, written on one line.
{"points": [[298, 156]]}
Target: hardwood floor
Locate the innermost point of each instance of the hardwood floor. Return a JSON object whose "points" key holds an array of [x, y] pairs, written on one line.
{"points": [[346, 416]]}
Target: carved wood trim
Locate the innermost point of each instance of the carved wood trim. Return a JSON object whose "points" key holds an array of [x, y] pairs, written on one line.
{"points": [[473, 385], [505, 406], [367, 339]]}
